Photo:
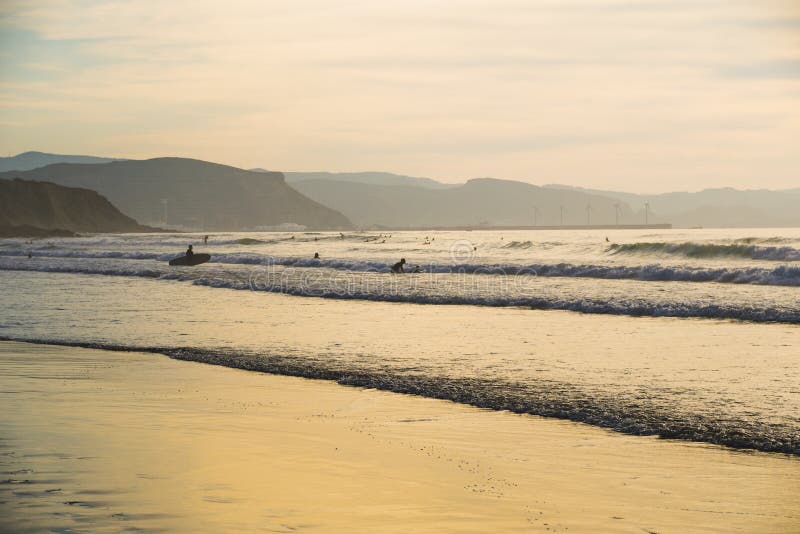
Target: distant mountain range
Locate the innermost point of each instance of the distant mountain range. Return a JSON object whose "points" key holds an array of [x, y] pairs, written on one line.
{"points": [[363, 197], [33, 160], [192, 194], [381, 199], [372, 178], [37, 209], [479, 202], [725, 207]]}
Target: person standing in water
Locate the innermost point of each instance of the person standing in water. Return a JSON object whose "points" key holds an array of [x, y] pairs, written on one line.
{"points": [[398, 267], [189, 252]]}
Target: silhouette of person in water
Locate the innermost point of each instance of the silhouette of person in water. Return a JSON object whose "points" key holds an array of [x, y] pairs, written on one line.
{"points": [[316, 255], [205, 240], [398, 267], [189, 252]]}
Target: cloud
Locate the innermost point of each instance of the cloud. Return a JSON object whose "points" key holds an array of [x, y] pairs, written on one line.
{"points": [[769, 69], [507, 88]]}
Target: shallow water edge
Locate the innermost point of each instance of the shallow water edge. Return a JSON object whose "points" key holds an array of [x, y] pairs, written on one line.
{"points": [[545, 398]]}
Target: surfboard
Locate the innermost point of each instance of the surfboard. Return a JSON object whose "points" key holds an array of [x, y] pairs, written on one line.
{"points": [[197, 259]]}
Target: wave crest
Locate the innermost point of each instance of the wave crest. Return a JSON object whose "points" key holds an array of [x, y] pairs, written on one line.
{"points": [[783, 275], [307, 283], [708, 250]]}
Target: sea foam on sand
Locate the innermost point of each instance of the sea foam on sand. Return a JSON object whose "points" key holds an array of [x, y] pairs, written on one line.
{"points": [[100, 440]]}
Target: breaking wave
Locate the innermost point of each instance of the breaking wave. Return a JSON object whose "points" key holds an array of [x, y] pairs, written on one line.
{"points": [[707, 250], [519, 244], [763, 240], [783, 275], [311, 283]]}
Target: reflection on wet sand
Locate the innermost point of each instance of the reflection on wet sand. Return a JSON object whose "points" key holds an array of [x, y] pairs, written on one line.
{"points": [[127, 441]]}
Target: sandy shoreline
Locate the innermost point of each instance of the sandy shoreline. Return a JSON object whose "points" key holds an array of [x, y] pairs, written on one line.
{"points": [[101, 441]]}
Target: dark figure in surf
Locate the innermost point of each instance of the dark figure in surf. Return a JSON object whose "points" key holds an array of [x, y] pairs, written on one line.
{"points": [[316, 255], [205, 240], [189, 252], [398, 267]]}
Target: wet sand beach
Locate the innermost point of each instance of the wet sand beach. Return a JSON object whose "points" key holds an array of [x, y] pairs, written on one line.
{"points": [[106, 442]]}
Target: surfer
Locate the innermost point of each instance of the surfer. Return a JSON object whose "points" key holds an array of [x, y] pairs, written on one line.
{"points": [[398, 267], [205, 240], [189, 252], [316, 255]]}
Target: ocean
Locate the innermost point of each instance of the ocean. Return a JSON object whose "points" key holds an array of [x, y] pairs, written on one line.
{"points": [[683, 334]]}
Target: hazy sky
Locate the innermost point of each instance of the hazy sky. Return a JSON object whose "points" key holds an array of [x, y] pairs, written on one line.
{"points": [[641, 95]]}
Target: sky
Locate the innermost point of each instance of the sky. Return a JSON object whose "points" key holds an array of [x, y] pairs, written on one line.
{"points": [[635, 95]]}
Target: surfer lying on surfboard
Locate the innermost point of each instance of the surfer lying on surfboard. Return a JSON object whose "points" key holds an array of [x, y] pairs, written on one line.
{"points": [[190, 258]]}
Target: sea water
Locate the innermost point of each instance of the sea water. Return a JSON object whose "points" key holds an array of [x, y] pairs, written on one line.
{"points": [[686, 334]]}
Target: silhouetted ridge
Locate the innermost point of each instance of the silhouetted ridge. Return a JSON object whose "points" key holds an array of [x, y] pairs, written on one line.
{"points": [[35, 209], [190, 193]]}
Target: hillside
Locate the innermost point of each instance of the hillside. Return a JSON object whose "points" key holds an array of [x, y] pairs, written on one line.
{"points": [[33, 160], [192, 194], [374, 178], [479, 202], [387, 199], [40, 208]]}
